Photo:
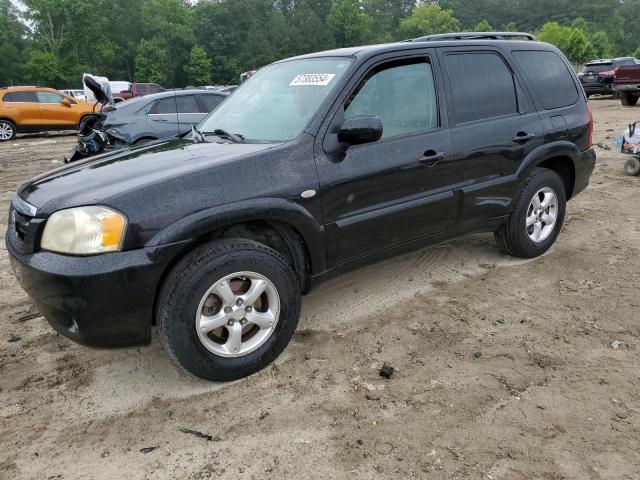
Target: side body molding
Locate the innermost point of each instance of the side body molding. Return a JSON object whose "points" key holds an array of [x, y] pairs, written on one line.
{"points": [[276, 209]]}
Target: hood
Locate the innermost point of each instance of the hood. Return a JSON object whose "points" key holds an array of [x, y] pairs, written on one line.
{"points": [[94, 180]]}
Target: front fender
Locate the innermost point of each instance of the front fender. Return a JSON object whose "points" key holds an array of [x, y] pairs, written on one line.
{"points": [[275, 209]]}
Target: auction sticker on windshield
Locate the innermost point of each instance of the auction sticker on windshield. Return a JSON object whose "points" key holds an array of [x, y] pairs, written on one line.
{"points": [[321, 79]]}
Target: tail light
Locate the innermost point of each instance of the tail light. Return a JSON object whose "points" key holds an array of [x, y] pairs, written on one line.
{"points": [[590, 131], [607, 73]]}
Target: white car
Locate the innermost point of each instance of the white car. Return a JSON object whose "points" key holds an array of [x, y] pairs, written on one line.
{"points": [[79, 94]]}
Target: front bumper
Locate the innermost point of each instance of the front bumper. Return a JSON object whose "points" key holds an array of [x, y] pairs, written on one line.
{"points": [[99, 301], [584, 166]]}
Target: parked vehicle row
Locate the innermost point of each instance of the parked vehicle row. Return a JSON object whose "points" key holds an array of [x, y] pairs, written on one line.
{"points": [[597, 76], [316, 165]]}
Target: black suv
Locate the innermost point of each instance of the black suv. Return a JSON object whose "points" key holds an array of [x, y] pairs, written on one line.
{"points": [[597, 76], [316, 165]]}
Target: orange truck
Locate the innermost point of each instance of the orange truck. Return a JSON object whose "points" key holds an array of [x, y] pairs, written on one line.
{"points": [[36, 109]]}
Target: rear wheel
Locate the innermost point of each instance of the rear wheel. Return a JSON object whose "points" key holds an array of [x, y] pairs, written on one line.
{"points": [[228, 309], [536, 220], [629, 99], [632, 167], [7, 130]]}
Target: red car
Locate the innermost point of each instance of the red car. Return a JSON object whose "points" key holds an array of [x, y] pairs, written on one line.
{"points": [[125, 90]]}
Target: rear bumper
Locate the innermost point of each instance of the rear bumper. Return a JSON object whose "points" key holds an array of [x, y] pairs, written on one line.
{"points": [[98, 301], [599, 88], [584, 166], [631, 87]]}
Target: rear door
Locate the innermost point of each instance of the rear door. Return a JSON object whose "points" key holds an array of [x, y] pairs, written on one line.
{"points": [[22, 108], [210, 101], [163, 117], [494, 126]]}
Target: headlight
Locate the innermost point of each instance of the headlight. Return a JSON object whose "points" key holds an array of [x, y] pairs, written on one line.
{"points": [[84, 231]]}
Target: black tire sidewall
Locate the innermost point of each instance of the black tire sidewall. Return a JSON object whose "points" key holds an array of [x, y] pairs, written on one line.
{"points": [[13, 128], [539, 179], [632, 166], [181, 303]]}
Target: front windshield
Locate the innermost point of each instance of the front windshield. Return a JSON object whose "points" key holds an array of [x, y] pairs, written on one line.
{"points": [[278, 102]]}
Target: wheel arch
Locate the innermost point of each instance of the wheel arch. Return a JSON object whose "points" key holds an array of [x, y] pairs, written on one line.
{"points": [[282, 225], [559, 157]]}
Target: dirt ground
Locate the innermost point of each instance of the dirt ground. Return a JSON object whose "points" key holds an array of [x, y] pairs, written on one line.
{"points": [[504, 368]]}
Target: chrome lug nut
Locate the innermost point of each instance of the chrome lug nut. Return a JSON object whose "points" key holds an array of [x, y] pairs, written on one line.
{"points": [[239, 302], [227, 310], [248, 309], [230, 323]]}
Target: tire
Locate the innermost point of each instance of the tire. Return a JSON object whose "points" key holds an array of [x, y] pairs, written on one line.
{"points": [[185, 295], [515, 237], [7, 130], [85, 120], [632, 167], [628, 99]]}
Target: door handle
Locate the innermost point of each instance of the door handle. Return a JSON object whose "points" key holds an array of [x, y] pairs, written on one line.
{"points": [[431, 158], [523, 137]]}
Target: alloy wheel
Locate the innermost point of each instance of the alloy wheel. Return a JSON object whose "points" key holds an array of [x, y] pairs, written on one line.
{"points": [[542, 214]]}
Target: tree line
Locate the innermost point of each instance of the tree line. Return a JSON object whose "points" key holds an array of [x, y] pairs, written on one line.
{"points": [[178, 42]]}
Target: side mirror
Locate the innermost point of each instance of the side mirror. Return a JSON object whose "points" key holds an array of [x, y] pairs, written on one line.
{"points": [[360, 129], [65, 102]]}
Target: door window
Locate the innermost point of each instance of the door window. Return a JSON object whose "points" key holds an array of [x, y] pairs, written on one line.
{"points": [[48, 97], [482, 86], [401, 94], [164, 106], [187, 104]]}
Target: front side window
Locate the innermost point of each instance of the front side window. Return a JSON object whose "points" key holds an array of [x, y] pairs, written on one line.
{"points": [[48, 97], [482, 86], [401, 94], [278, 102], [164, 106]]}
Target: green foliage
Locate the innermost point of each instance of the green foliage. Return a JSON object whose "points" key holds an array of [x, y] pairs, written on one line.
{"points": [[429, 19], [177, 42], [484, 26], [198, 70], [349, 22], [152, 61]]}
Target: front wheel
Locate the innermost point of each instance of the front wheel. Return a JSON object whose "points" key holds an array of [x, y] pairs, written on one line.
{"points": [[228, 309], [536, 220]]}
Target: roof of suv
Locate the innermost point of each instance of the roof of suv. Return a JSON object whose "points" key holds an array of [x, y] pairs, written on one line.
{"points": [[444, 40]]}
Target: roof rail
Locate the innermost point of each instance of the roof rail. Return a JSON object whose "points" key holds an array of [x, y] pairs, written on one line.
{"points": [[477, 36]]}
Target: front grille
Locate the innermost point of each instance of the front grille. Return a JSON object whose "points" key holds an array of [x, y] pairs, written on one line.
{"points": [[24, 227]]}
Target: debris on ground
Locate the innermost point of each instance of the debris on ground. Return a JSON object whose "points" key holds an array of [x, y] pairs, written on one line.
{"points": [[477, 354], [148, 449], [603, 146], [616, 344], [198, 434], [386, 370], [14, 338], [373, 396]]}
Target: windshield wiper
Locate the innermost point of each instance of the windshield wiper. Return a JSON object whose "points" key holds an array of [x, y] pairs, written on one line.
{"points": [[197, 134], [235, 138]]}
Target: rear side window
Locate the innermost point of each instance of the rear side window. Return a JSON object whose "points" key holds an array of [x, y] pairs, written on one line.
{"points": [[187, 104], [211, 101], [22, 97], [164, 106], [482, 86], [549, 77]]}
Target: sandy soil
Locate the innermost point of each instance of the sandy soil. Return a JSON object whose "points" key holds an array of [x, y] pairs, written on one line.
{"points": [[504, 367]]}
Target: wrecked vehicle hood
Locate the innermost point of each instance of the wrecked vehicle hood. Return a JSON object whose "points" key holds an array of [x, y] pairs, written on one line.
{"points": [[97, 179]]}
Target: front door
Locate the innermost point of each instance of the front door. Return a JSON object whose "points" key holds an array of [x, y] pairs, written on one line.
{"points": [[52, 112], [390, 192], [163, 117]]}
